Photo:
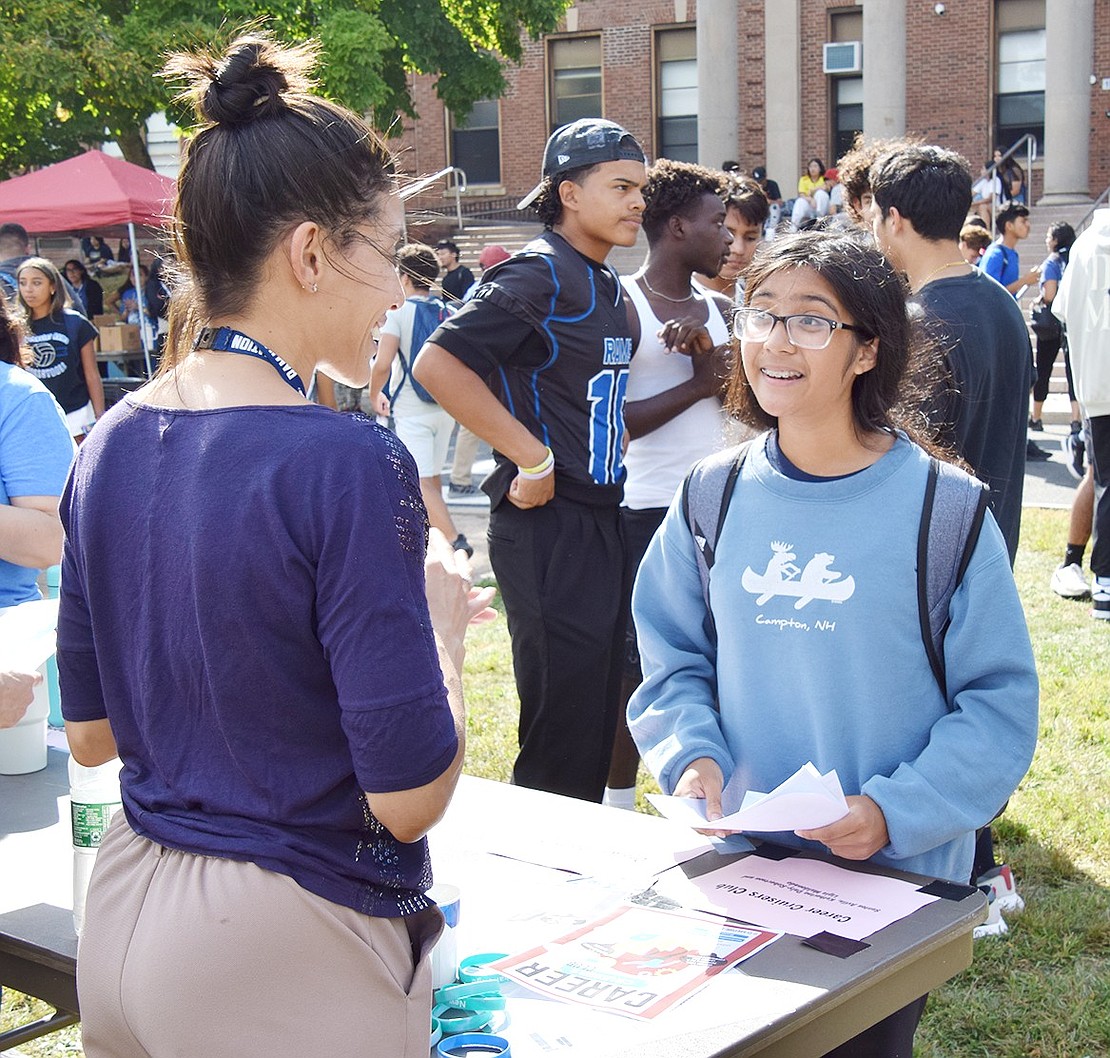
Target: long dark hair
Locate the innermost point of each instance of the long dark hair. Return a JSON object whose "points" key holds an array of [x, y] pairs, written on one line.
{"points": [[874, 294], [12, 349], [60, 298], [270, 155], [1063, 235]]}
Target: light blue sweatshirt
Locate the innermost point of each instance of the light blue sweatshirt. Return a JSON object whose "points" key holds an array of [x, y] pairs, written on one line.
{"points": [[819, 657]]}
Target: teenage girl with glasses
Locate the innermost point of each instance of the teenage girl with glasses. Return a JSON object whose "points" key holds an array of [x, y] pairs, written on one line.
{"points": [[818, 652]]}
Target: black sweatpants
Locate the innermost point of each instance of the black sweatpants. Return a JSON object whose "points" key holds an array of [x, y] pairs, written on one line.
{"points": [[560, 571], [1098, 436]]}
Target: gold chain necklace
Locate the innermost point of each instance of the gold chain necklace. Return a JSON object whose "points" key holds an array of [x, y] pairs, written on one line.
{"points": [[943, 267], [667, 297]]}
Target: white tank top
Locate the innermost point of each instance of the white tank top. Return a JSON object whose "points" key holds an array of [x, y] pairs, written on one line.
{"points": [[658, 461]]}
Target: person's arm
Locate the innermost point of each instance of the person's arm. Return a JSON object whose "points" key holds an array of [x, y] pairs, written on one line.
{"points": [[710, 365], [1022, 281], [31, 531], [92, 377], [673, 715], [945, 792], [17, 692], [388, 347], [91, 742], [468, 399]]}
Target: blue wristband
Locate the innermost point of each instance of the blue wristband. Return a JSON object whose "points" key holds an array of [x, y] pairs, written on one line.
{"points": [[451, 994], [437, 1033], [475, 967], [474, 1043], [489, 1002]]}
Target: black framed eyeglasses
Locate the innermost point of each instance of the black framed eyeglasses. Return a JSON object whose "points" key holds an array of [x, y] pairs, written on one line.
{"points": [[803, 329]]}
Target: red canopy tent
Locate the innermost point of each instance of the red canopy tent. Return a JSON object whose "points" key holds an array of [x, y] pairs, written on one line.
{"points": [[86, 193], [89, 193]]}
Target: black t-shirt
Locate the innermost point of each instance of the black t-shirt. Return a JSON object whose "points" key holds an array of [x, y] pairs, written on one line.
{"points": [[548, 329], [56, 345], [457, 282], [771, 190], [984, 408]]}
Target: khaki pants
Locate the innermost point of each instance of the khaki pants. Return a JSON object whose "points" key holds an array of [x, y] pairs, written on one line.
{"points": [[186, 955]]}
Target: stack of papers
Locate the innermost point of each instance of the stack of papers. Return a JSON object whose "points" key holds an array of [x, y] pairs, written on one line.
{"points": [[805, 801]]}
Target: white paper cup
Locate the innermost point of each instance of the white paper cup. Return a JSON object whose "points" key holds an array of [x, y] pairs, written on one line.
{"points": [[23, 747]]}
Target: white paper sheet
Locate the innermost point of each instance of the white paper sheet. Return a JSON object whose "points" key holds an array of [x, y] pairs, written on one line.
{"points": [[797, 895], [805, 801], [28, 635]]}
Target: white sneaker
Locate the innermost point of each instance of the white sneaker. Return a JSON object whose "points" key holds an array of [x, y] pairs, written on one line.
{"points": [[995, 926], [1004, 894], [1069, 582], [1100, 598]]}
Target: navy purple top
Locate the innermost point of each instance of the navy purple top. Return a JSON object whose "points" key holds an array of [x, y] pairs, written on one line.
{"points": [[243, 598]]}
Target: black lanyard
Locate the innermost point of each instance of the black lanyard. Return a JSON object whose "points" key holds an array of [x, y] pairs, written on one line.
{"points": [[227, 340]]}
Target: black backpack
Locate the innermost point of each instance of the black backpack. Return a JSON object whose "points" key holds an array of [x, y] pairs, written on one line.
{"points": [[430, 313], [951, 516]]}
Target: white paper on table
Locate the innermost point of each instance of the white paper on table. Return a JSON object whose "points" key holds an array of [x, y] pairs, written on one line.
{"points": [[798, 895], [28, 635], [805, 801]]}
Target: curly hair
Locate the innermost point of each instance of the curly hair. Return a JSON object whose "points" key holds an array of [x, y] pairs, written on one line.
{"points": [[674, 188], [547, 205], [855, 169]]}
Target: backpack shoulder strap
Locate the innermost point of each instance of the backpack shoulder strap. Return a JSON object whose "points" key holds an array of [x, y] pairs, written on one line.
{"points": [[951, 517], [706, 494]]}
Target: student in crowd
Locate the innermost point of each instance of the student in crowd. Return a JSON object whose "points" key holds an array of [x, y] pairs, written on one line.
{"points": [[974, 242], [681, 359], [90, 294], [548, 328], [1049, 333], [746, 214], [457, 278], [422, 425], [774, 199], [1068, 579], [63, 345], [1000, 261], [97, 252], [922, 194], [261, 639], [1011, 177], [986, 192], [812, 202], [771, 672], [1081, 303]]}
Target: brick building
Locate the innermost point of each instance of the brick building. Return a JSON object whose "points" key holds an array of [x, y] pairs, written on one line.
{"points": [[775, 82]]}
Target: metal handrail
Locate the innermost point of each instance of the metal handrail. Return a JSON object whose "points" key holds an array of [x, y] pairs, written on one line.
{"points": [[457, 180], [1104, 197], [1030, 142]]}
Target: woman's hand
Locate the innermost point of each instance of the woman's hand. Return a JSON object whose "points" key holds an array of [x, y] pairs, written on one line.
{"points": [[17, 692], [856, 836], [703, 780], [453, 602]]}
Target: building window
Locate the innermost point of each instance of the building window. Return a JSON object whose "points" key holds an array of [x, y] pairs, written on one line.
{"points": [[476, 143], [677, 92], [848, 113], [575, 80], [1019, 99]]}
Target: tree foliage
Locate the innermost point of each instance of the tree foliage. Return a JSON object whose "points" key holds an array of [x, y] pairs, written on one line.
{"points": [[76, 72]]}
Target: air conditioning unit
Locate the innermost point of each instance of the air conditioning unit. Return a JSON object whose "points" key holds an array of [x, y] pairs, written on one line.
{"points": [[844, 57]]}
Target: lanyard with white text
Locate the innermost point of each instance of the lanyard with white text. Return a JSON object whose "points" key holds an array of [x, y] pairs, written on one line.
{"points": [[227, 340]]}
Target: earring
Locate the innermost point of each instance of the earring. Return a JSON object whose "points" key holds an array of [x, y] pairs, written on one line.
{"points": [[314, 288]]}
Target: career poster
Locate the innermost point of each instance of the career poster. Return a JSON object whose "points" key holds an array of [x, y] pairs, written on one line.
{"points": [[636, 961]]}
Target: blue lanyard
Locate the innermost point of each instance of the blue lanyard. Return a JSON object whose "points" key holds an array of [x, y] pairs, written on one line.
{"points": [[227, 340]]}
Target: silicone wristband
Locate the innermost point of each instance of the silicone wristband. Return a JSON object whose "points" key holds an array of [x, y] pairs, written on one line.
{"points": [[488, 1002], [454, 1020], [476, 967], [437, 1033], [474, 1043], [449, 995], [542, 468]]}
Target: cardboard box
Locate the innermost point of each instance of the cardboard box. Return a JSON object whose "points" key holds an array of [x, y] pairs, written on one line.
{"points": [[122, 338], [106, 319]]}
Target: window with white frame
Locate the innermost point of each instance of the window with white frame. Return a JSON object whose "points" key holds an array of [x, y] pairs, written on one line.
{"points": [[677, 94]]}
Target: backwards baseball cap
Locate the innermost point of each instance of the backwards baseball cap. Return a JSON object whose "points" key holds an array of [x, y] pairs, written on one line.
{"points": [[759, 172], [582, 143]]}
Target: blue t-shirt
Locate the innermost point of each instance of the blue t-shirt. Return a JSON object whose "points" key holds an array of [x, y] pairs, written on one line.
{"points": [[1000, 263], [243, 598], [35, 452], [56, 346], [1052, 269]]}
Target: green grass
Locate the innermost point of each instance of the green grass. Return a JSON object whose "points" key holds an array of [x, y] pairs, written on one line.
{"points": [[1043, 991]]}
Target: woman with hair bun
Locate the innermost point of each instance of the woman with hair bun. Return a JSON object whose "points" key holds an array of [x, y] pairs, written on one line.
{"points": [[249, 620]]}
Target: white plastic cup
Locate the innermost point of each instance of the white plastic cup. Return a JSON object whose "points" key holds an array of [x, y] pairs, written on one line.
{"points": [[445, 955], [94, 798], [23, 747]]}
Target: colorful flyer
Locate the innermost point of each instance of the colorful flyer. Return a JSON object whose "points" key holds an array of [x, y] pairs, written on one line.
{"points": [[636, 961]]}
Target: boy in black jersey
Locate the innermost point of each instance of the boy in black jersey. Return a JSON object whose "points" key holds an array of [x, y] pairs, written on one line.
{"points": [[536, 363]]}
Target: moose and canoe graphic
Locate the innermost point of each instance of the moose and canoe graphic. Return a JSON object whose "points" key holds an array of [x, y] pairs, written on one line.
{"points": [[817, 580]]}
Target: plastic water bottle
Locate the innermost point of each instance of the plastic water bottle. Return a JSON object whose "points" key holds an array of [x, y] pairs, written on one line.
{"points": [[94, 796]]}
